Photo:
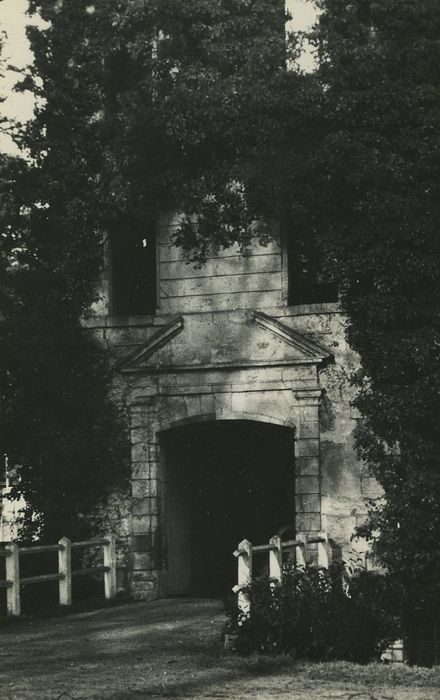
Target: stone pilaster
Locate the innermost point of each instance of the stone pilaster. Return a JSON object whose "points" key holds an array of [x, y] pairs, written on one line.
{"points": [[307, 462], [145, 485]]}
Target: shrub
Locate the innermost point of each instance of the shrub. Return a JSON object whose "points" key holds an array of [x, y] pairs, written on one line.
{"points": [[310, 615]]}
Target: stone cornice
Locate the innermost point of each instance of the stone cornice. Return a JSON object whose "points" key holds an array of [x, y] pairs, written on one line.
{"points": [[305, 350], [310, 397], [172, 369]]}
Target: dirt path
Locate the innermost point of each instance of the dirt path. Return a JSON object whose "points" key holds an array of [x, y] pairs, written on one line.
{"points": [[172, 648]]}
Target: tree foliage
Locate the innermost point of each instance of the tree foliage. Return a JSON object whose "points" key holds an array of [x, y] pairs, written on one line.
{"points": [[379, 203], [168, 104], [58, 423], [141, 106]]}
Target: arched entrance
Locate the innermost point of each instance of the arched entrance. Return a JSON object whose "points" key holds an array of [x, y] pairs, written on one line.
{"points": [[224, 481]]}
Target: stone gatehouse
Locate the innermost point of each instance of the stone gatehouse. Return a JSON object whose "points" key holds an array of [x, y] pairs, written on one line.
{"points": [[239, 404]]}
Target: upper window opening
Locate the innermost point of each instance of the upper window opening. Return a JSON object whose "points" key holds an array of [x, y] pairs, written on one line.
{"points": [[309, 280], [133, 269]]}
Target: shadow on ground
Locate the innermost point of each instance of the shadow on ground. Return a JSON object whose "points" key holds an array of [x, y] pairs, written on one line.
{"points": [[172, 648]]}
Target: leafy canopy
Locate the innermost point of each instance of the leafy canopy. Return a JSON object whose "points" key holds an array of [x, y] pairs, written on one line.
{"points": [[163, 104], [378, 200], [141, 106]]}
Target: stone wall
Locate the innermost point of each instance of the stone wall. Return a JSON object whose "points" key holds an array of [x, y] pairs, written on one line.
{"points": [[231, 278], [236, 351]]}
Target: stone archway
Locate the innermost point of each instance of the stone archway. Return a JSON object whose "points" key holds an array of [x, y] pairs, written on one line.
{"points": [[280, 407], [223, 481], [244, 366]]}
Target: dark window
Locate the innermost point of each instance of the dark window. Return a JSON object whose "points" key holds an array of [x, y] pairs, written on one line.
{"points": [[309, 278], [3, 470], [122, 75], [133, 269]]}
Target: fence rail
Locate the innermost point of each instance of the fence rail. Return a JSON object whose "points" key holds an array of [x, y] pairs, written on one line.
{"points": [[11, 552], [276, 548]]}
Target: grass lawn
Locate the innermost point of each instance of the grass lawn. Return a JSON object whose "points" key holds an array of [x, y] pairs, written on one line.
{"points": [[172, 648]]}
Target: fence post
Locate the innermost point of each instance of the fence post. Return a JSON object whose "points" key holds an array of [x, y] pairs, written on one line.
{"points": [[301, 551], [323, 551], [244, 556], [275, 558], [13, 575], [65, 568], [110, 561]]}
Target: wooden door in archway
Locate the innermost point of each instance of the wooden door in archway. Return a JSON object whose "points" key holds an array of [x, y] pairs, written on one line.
{"points": [[225, 480]]}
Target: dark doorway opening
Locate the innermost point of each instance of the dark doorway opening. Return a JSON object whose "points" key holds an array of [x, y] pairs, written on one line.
{"points": [[224, 481]]}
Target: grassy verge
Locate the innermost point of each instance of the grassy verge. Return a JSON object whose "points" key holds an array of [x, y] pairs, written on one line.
{"points": [[372, 674]]}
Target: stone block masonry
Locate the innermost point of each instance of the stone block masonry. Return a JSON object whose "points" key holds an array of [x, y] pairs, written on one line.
{"points": [[224, 346]]}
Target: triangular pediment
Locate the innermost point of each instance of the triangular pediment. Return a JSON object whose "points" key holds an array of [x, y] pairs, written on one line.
{"points": [[224, 340], [306, 347], [163, 336]]}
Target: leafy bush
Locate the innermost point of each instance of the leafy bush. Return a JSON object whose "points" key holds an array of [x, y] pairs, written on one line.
{"points": [[312, 615]]}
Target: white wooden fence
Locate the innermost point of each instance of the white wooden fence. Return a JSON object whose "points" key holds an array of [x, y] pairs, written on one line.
{"points": [[275, 548], [12, 553]]}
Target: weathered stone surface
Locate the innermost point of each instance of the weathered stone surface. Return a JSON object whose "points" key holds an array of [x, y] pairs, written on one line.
{"points": [[370, 488], [139, 524], [306, 414], [306, 522], [193, 406], [207, 404], [222, 302], [140, 470], [210, 286], [139, 416], [168, 252], [307, 448], [140, 506], [141, 543], [307, 484], [142, 560], [140, 452], [226, 265], [143, 589], [308, 503], [308, 430], [144, 488], [223, 405], [222, 365], [145, 506], [360, 519], [307, 466], [137, 435]]}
